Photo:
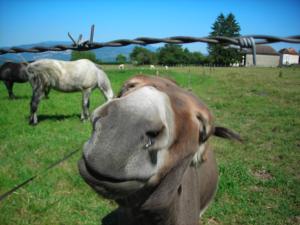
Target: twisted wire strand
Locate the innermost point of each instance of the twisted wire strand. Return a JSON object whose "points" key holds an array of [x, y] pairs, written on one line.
{"points": [[242, 41]]}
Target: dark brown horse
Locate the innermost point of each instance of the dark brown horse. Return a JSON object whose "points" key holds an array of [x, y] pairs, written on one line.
{"points": [[11, 72]]}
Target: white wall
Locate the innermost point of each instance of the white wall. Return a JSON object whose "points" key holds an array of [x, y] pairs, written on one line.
{"points": [[286, 59], [263, 60]]}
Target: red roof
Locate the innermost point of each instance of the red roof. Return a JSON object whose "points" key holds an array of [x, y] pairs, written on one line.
{"points": [[263, 50], [289, 51]]}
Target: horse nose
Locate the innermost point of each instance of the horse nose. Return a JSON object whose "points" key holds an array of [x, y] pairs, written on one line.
{"points": [[86, 149], [101, 111]]}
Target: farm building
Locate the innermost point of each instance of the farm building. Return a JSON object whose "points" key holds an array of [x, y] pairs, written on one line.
{"points": [[288, 56], [265, 56]]}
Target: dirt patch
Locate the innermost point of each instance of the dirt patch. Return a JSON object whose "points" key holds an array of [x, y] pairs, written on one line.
{"points": [[256, 189], [263, 175], [294, 220], [212, 221]]}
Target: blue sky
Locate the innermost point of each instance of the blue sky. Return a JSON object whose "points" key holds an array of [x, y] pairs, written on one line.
{"points": [[32, 21]]}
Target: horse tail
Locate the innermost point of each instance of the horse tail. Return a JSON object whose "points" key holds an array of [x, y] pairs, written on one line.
{"points": [[104, 83]]}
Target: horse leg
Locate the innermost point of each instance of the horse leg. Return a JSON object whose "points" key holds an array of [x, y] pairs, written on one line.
{"points": [[37, 95], [85, 103], [9, 86], [47, 91]]}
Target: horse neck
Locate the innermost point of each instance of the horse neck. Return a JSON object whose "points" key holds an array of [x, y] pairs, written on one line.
{"points": [[183, 205], [22, 70], [162, 216]]}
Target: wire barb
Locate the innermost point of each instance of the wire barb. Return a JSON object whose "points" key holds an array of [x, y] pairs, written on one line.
{"points": [[92, 34]]}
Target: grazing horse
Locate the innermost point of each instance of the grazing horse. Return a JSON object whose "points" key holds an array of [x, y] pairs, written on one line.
{"points": [[121, 67], [11, 72], [149, 151], [81, 75]]}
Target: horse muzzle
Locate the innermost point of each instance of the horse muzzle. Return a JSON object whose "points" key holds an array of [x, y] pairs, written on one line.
{"points": [[108, 186]]}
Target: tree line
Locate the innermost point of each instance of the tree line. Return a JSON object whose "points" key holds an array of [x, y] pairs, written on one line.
{"points": [[169, 54], [174, 54]]}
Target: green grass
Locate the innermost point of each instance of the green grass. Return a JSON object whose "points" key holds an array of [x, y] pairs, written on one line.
{"points": [[259, 180]]}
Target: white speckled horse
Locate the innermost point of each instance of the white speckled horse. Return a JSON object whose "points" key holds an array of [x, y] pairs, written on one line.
{"points": [[81, 75]]}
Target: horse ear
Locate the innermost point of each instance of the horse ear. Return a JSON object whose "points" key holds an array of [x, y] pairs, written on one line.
{"points": [[224, 132], [205, 129]]}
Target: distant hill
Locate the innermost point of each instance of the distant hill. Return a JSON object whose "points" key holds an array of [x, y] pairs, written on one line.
{"points": [[106, 54]]}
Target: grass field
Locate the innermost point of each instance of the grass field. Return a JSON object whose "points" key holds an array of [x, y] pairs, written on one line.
{"points": [[259, 180]]}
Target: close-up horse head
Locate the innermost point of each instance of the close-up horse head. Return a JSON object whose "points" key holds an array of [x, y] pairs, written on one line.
{"points": [[149, 152], [157, 112]]}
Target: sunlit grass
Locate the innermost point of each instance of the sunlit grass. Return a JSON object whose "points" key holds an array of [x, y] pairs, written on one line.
{"points": [[259, 180]]}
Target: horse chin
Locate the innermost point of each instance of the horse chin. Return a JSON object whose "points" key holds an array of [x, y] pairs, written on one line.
{"points": [[107, 188]]}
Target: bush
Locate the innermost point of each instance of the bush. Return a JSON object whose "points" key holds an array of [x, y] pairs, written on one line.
{"points": [[75, 55]]}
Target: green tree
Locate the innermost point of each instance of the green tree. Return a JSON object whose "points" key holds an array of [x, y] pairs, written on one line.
{"points": [[121, 59], [228, 27], [172, 54], [196, 58], [75, 55], [142, 56]]}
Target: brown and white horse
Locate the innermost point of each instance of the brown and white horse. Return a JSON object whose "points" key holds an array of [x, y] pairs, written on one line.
{"points": [[150, 152]]}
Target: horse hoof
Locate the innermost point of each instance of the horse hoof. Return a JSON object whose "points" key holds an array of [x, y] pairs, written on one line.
{"points": [[32, 123], [84, 119]]}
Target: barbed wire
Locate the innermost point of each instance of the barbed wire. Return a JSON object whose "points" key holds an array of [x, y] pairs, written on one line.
{"points": [[148, 40], [248, 41], [30, 179]]}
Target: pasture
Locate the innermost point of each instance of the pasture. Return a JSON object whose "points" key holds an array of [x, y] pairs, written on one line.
{"points": [[259, 179]]}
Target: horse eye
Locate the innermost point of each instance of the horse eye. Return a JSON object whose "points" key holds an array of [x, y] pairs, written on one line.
{"points": [[131, 85], [95, 121]]}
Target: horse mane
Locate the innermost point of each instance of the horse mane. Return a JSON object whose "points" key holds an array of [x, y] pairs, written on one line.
{"points": [[46, 71]]}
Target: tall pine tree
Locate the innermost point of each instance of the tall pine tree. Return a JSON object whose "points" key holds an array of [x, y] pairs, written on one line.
{"points": [[228, 27]]}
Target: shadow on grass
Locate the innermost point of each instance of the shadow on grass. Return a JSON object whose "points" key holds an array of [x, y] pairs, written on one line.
{"points": [[114, 218], [17, 98], [42, 118]]}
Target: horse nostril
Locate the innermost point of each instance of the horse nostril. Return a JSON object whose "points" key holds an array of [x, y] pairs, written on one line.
{"points": [[152, 135], [149, 143], [94, 120]]}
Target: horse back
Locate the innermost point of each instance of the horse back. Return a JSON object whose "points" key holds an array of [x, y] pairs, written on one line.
{"points": [[15, 72], [80, 74]]}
